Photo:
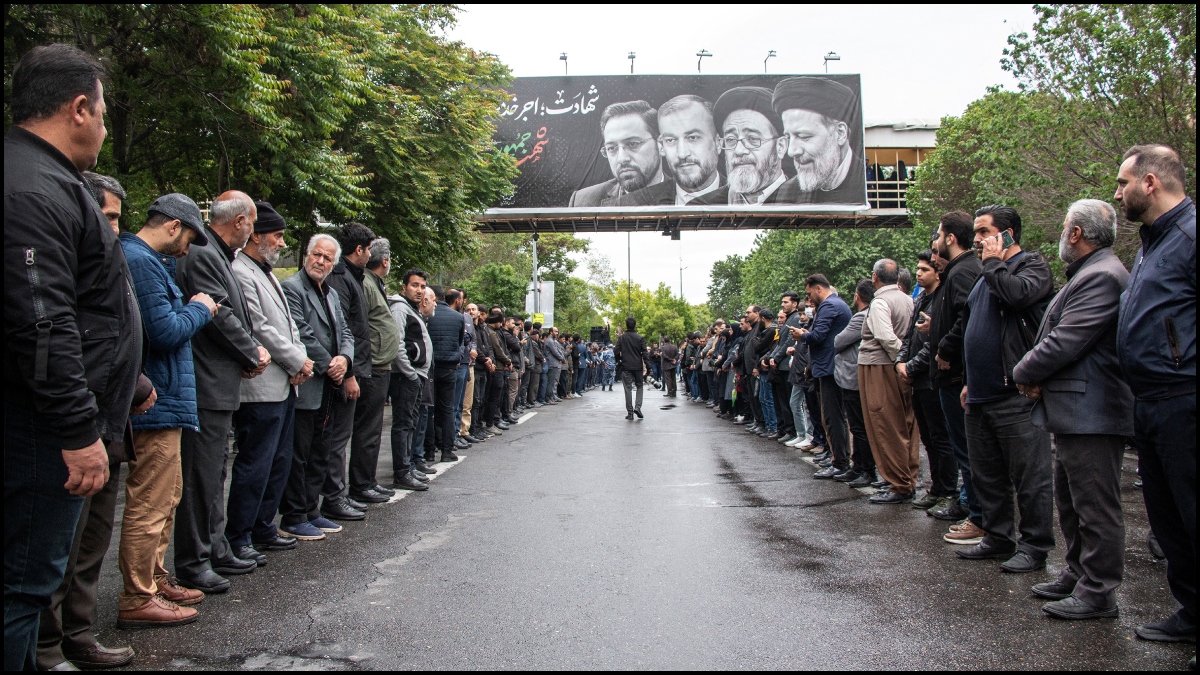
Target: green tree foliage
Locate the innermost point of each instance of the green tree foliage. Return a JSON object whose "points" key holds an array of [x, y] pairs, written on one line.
{"points": [[725, 287], [360, 112], [1094, 80], [496, 284], [658, 312]]}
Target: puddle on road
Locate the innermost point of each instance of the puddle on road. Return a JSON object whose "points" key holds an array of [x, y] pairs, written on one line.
{"points": [[667, 406]]}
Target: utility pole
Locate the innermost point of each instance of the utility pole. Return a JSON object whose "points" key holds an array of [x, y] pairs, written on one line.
{"points": [[563, 57], [628, 274], [537, 288], [632, 56], [701, 54], [769, 55]]}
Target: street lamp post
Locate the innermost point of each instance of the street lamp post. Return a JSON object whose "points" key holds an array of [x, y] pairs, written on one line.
{"points": [[769, 55], [563, 57], [701, 54], [831, 56], [537, 287], [632, 56]]}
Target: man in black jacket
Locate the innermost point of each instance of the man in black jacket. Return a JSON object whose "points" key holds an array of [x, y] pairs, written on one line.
{"points": [[1008, 453], [947, 318], [669, 354], [72, 331], [446, 330], [224, 352], [347, 414], [631, 362]]}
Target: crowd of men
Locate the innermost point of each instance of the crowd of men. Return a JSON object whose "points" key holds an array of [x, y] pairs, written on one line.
{"points": [[151, 348], [1025, 399]]}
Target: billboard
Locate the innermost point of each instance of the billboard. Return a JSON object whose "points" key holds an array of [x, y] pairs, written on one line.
{"points": [[684, 144]]}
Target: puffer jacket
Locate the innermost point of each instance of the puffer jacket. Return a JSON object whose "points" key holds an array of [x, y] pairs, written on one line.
{"points": [[170, 322]]}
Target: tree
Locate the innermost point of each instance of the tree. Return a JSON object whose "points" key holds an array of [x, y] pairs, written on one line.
{"points": [[496, 284], [359, 112], [725, 287]]}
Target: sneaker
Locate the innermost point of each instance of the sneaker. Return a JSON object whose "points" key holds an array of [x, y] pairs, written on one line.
{"points": [[784, 440], [965, 533], [951, 510], [302, 531], [325, 525], [925, 501], [806, 445], [939, 503]]}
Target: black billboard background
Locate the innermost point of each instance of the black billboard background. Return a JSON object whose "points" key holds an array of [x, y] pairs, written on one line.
{"points": [[551, 125]]}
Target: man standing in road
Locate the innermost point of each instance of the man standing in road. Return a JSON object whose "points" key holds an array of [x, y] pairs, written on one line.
{"points": [[631, 363], [670, 357], [831, 317], [1156, 344]]}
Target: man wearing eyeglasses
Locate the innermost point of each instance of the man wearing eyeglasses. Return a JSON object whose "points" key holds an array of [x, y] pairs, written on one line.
{"points": [[630, 130], [823, 130], [754, 148], [689, 141]]}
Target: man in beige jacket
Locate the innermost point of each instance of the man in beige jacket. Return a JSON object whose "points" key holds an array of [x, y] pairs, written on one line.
{"points": [[886, 400]]}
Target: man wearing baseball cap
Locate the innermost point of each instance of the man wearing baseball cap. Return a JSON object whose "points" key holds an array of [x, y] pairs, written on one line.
{"points": [[151, 597], [823, 130]]}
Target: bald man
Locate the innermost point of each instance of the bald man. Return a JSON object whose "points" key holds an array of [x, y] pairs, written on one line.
{"points": [[224, 352]]}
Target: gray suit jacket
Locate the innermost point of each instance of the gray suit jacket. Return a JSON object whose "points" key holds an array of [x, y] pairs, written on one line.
{"points": [[274, 328], [226, 346], [602, 194], [1075, 356], [322, 341]]}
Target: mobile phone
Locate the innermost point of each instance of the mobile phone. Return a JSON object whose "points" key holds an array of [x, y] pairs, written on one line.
{"points": [[1006, 239], [220, 299]]}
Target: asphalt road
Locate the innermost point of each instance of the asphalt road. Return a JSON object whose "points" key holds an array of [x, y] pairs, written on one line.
{"points": [[581, 540]]}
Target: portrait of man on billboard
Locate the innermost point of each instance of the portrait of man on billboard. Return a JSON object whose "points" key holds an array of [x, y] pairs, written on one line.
{"points": [[630, 130], [754, 144], [689, 142], [823, 132]]}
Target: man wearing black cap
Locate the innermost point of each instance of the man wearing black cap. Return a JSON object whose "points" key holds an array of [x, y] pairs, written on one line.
{"points": [[265, 419], [150, 597], [496, 387], [754, 148], [823, 130]]}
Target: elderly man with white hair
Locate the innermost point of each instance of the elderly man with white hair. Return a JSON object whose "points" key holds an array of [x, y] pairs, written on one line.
{"points": [[317, 311], [1083, 400]]}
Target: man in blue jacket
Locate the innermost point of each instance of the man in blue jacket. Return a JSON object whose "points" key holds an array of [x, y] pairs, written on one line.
{"points": [[830, 318], [1156, 345], [150, 596]]}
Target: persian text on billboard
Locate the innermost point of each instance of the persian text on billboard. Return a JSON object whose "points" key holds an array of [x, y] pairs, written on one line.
{"points": [[697, 143]]}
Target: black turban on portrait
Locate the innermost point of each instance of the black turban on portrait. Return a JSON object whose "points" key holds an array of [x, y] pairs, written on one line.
{"points": [[757, 99], [821, 95]]}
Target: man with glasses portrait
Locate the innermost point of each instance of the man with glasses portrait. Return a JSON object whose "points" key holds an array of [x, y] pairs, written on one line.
{"points": [[689, 141], [630, 130], [754, 148]]}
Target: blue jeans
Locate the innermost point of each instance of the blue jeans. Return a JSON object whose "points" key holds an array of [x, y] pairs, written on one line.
{"points": [[39, 527], [956, 425], [461, 375], [797, 403], [766, 401], [260, 469]]}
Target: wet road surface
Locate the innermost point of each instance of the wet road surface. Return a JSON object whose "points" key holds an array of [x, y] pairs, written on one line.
{"points": [[581, 540]]}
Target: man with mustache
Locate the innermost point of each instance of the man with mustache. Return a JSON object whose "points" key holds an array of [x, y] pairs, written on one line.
{"points": [[754, 148], [629, 130], [689, 141], [822, 127]]}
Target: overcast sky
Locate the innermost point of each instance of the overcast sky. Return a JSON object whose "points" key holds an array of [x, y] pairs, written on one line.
{"points": [[915, 61]]}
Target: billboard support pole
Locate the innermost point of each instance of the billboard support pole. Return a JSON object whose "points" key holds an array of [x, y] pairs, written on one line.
{"points": [[537, 288], [628, 274]]}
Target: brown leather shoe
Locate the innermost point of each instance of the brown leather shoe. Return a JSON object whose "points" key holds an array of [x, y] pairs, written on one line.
{"points": [[99, 657], [169, 588], [158, 611]]}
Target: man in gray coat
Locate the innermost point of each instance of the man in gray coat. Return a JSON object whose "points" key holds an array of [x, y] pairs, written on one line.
{"points": [[317, 311], [555, 358], [225, 351], [1082, 399]]}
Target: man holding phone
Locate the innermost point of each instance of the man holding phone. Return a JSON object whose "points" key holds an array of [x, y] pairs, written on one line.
{"points": [[1007, 452]]}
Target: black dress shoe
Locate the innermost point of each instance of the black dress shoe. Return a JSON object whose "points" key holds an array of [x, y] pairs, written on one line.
{"points": [[468, 439], [890, 497], [406, 481], [1173, 629], [425, 468], [772, 435], [1053, 590], [863, 480], [233, 565], [355, 504], [276, 543], [1023, 562], [880, 484], [449, 456], [208, 581], [419, 475], [639, 414], [98, 657], [502, 425], [847, 476], [1070, 608], [341, 511], [369, 496], [460, 444], [629, 416], [825, 463], [250, 553], [383, 491], [982, 551], [827, 473]]}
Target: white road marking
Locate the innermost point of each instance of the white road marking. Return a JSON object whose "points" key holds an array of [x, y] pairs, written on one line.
{"points": [[525, 417]]}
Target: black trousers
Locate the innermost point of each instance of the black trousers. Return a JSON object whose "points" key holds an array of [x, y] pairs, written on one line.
{"points": [[702, 382], [812, 399], [1008, 454], [832, 412], [405, 394], [752, 385], [340, 429], [368, 430], [479, 404], [311, 451], [1087, 489], [200, 517], [861, 457], [67, 623], [444, 379], [260, 469], [496, 390], [782, 394], [943, 467], [632, 380], [1166, 443], [670, 380]]}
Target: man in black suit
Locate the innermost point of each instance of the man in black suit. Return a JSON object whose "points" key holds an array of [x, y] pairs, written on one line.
{"points": [[689, 141], [631, 363], [629, 130], [822, 128]]}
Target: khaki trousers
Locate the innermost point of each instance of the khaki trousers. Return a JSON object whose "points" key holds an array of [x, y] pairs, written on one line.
{"points": [[514, 384], [152, 492], [891, 426], [467, 402]]}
